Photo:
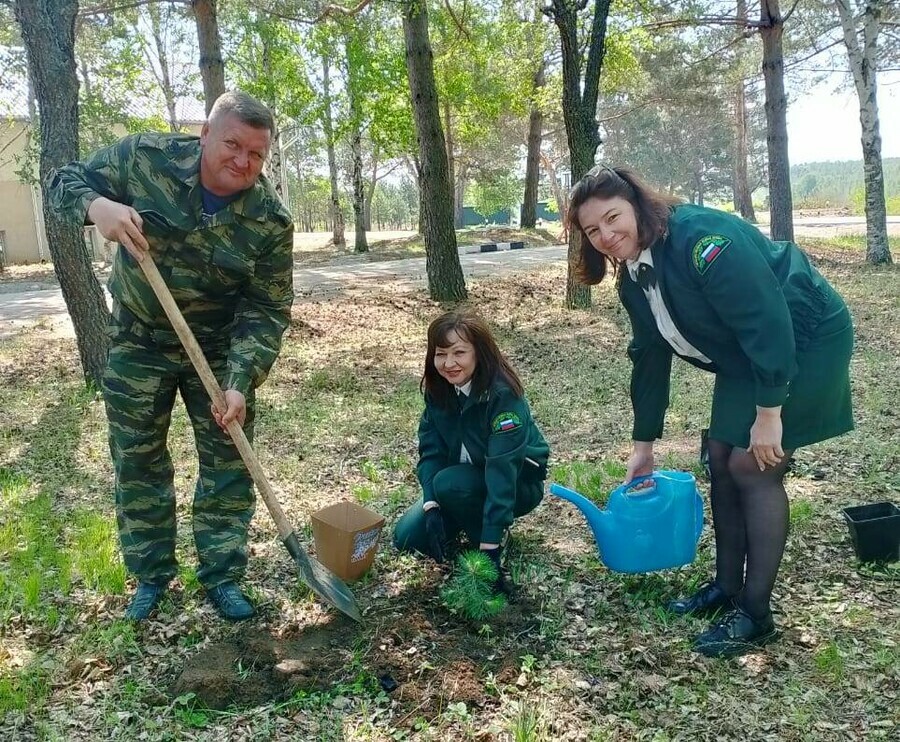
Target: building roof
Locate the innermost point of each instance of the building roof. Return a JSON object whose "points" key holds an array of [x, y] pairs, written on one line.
{"points": [[14, 104]]}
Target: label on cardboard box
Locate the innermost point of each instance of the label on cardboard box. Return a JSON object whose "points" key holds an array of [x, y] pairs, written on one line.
{"points": [[363, 542]]}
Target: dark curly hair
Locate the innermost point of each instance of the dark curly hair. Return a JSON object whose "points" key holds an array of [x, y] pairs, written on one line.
{"points": [[651, 207], [490, 361]]}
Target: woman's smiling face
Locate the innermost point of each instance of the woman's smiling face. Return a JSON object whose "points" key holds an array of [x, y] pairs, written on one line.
{"points": [[611, 226], [455, 361]]}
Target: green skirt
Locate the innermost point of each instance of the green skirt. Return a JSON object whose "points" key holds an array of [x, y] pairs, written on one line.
{"points": [[818, 405]]}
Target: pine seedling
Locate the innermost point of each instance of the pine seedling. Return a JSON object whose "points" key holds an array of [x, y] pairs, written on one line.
{"points": [[470, 590]]}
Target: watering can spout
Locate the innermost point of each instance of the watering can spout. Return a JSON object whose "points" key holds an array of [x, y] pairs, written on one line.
{"points": [[597, 518]]}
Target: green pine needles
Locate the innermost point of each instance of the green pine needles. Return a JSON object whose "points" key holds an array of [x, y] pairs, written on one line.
{"points": [[470, 590]]}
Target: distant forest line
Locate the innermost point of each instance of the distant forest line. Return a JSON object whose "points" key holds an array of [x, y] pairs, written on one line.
{"points": [[818, 185]]}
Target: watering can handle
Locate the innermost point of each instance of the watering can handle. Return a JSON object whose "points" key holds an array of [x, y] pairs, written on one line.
{"points": [[698, 509], [629, 487]]}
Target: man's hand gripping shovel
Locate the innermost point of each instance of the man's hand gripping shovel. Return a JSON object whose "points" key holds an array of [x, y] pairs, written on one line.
{"points": [[322, 581]]}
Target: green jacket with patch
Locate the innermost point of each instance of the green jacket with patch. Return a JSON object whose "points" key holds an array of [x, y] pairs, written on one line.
{"points": [[499, 433], [230, 274], [747, 303]]}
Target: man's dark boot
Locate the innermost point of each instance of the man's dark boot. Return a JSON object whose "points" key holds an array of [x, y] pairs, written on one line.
{"points": [[144, 601], [709, 600], [230, 602]]}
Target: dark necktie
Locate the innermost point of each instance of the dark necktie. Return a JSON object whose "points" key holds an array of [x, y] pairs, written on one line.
{"points": [[646, 276]]}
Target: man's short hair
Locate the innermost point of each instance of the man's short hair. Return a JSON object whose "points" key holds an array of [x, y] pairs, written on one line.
{"points": [[245, 108]]}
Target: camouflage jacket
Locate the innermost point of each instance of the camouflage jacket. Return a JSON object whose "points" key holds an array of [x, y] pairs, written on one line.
{"points": [[230, 274]]}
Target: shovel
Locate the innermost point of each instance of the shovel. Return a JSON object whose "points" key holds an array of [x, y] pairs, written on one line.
{"points": [[322, 581]]}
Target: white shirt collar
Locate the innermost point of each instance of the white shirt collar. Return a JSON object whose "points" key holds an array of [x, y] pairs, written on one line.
{"points": [[645, 257], [465, 389]]}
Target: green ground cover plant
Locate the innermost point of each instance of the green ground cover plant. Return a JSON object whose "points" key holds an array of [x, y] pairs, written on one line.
{"points": [[585, 654]]}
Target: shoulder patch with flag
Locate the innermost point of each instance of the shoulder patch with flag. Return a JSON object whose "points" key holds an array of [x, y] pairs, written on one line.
{"points": [[707, 249], [506, 421]]}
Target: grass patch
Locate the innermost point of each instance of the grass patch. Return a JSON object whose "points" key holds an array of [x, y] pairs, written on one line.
{"points": [[33, 568], [337, 419], [26, 690], [95, 548]]}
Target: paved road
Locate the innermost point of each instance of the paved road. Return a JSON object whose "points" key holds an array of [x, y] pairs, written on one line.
{"points": [[21, 309]]}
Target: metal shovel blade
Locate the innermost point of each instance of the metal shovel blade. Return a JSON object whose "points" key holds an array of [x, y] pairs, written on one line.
{"points": [[321, 581]]}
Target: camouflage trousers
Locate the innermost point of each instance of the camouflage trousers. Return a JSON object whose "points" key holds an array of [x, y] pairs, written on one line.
{"points": [[145, 369]]}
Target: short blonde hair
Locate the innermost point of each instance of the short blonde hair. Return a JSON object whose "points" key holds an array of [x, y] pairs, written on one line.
{"points": [[245, 108]]}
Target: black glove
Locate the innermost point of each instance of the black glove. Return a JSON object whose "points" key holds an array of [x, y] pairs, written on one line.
{"points": [[437, 535], [503, 584]]}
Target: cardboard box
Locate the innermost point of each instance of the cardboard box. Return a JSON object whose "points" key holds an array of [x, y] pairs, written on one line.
{"points": [[346, 537]]}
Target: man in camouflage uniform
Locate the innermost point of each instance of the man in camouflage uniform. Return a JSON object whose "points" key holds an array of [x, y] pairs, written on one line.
{"points": [[223, 242]]}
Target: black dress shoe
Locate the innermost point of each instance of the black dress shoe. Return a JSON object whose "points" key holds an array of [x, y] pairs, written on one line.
{"points": [[736, 633], [144, 601], [230, 602], [709, 600]]}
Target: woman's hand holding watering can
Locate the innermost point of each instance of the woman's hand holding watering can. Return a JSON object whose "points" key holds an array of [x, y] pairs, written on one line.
{"points": [[640, 463]]}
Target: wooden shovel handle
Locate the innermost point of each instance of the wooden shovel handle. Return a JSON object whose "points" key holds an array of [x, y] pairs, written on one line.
{"points": [[215, 393]]}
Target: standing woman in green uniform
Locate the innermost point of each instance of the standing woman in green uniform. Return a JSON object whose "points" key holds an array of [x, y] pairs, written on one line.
{"points": [[482, 458], [710, 288]]}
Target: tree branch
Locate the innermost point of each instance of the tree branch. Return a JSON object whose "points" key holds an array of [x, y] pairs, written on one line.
{"points": [[596, 53], [333, 10], [790, 12], [103, 9], [456, 21], [710, 20], [636, 107]]}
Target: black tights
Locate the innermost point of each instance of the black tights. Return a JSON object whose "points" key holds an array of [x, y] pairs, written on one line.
{"points": [[750, 516]]}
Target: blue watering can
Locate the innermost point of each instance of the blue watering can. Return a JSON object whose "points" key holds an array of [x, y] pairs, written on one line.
{"points": [[644, 529]]}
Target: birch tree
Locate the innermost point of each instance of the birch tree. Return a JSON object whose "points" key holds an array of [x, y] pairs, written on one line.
{"points": [[861, 24]]}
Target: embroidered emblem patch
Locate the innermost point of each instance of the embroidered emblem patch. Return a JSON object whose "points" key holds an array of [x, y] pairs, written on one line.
{"points": [[506, 421], [707, 250]]}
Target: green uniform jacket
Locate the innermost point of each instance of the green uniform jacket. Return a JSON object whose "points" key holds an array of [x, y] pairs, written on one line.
{"points": [[499, 434], [747, 303], [230, 274]]}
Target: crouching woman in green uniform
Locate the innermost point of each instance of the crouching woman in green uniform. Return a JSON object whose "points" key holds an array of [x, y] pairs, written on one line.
{"points": [[482, 459], [710, 288]]}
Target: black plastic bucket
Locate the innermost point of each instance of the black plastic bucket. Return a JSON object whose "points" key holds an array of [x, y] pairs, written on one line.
{"points": [[875, 530]]}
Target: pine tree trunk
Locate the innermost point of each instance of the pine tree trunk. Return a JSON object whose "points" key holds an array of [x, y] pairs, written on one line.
{"points": [[337, 216], [212, 68], [48, 31], [416, 168], [533, 158], [740, 179], [359, 191], [743, 198], [781, 207], [445, 277], [370, 191], [451, 168], [459, 198]]}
